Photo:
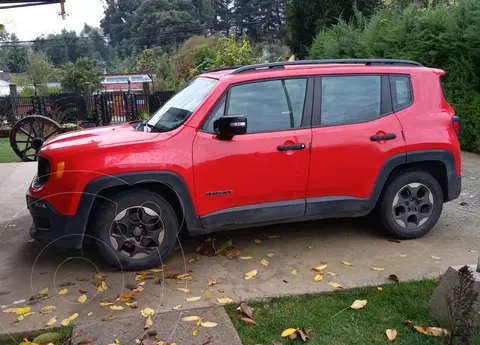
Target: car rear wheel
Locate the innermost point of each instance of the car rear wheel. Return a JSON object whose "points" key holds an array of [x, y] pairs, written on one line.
{"points": [[136, 229], [411, 205]]}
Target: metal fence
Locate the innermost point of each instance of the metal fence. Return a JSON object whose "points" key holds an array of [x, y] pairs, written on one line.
{"points": [[90, 110]]}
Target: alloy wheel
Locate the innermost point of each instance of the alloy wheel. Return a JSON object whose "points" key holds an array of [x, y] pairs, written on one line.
{"points": [[413, 205]]}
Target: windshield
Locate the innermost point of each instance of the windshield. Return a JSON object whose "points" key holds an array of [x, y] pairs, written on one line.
{"points": [[181, 106]]}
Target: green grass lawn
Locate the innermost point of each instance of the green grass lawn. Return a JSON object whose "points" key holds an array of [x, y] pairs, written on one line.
{"points": [[6, 153], [330, 325]]}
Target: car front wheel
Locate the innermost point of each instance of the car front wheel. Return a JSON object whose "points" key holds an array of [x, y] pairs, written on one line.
{"points": [[411, 205], [136, 229]]}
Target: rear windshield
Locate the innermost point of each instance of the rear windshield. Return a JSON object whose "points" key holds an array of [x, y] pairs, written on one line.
{"points": [[181, 106]]}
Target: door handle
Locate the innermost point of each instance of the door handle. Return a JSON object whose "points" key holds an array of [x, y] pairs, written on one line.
{"points": [[291, 147], [387, 136]]}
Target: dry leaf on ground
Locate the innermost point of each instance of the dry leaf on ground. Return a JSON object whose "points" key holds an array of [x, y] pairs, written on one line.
{"points": [[51, 322], [245, 257], [148, 322], [336, 285], [211, 281], [90, 313], [264, 262], [317, 278], [246, 309], [177, 307], [391, 334], [249, 275], [191, 318], [294, 272], [432, 331], [147, 312], [86, 340], [257, 241], [319, 268], [183, 290], [379, 288], [274, 236], [108, 318], [193, 299], [288, 332], [106, 304], [276, 342], [270, 255], [195, 332], [402, 255], [435, 257], [309, 247], [47, 309], [378, 268], [67, 284], [393, 278], [208, 324], [224, 300], [116, 307], [185, 276], [62, 291], [248, 320], [332, 273], [82, 298], [359, 304], [208, 293], [346, 263]]}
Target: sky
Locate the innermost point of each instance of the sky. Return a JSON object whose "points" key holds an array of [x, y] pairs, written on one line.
{"points": [[30, 22]]}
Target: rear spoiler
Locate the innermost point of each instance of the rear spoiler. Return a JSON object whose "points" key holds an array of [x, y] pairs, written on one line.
{"points": [[438, 71]]}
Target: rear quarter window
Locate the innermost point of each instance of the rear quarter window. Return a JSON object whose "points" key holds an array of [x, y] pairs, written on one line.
{"points": [[401, 89]]}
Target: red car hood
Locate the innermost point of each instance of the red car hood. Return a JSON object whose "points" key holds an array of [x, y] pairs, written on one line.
{"points": [[100, 136]]}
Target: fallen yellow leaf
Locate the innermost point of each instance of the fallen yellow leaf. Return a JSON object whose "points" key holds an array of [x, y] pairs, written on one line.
{"points": [[346, 263], [147, 312], [432, 331], [90, 313], [288, 332], [317, 278], [20, 317], [183, 290], [257, 241], [66, 322], [435, 257], [249, 275], [391, 334], [335, 285], [199, 321], [186, 276], [378, 268], [191, 318], [379, 288], [62, 291], [10, 310], [82, 298], [156, 270], [270, 255], [208, 293], [402, 255], [294, 272], [332, 273], [106, 304], [224, 300], [130, 304], [177, 307], [245, 257], [195, 332], [73, 316], [23, 311], [116, 307], [51, 322], [208, 324], [319, 268], [359, 304], [264, 262], [148, 322], [47, 309], [193, 299], [143, 283], [309, 247], [274, 236]]}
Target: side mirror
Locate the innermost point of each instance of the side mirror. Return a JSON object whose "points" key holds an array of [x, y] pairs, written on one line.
{"points": [[228, 126]]}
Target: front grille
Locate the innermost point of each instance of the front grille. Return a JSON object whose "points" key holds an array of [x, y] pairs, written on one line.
{"points": [[43, 170]]}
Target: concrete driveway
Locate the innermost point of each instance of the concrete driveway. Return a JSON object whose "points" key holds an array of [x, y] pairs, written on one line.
{"points": [[27, 267]]}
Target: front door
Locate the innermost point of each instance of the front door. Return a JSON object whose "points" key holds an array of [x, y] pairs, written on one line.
{"points": [[262, 175]]}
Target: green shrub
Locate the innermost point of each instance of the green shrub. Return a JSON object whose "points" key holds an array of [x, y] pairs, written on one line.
{"points": [[442, 36]]}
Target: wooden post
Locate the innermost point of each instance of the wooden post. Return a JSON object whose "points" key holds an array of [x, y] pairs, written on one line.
{"points": [[14, 102], [478, 264], [146, 88]]}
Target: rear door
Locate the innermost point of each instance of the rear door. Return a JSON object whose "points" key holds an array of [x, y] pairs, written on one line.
{"points": [[355, 133], [261, 175]]}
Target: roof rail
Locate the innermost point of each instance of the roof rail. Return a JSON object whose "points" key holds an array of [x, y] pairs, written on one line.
{"points": [[222, 69], [368, 62]]}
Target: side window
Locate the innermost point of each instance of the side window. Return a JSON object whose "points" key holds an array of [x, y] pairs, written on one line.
{"points": [[269, 105], [401, 91], [350, 99]]}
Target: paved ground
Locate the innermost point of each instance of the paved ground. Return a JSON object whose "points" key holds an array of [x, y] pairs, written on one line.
{"points": [[26, 267]]}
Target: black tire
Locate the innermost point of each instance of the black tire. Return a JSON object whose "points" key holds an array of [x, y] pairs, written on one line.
{"points": [[125, 200], [384, 209]]}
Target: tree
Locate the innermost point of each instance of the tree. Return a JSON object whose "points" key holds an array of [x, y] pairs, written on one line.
{"points": [[95, 35], [304, 18], [38, 69], [118, 19], [164, 23], [82, 75], [13, 56]]}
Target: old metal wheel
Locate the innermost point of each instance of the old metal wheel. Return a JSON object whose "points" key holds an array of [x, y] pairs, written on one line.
{"points": [[29, 134], [412, 205], [137, 232]]}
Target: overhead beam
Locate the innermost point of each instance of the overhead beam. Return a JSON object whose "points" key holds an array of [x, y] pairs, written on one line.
{"points": [[7, 5]]}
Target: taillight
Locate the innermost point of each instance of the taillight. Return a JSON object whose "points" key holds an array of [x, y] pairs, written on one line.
{"points": [[456, 124]]}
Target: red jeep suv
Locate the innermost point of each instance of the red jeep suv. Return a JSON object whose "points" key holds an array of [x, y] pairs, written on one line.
{"points": [[256, 145]]}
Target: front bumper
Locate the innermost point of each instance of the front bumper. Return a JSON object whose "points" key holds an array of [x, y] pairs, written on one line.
{"points": [[53, 228]]}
